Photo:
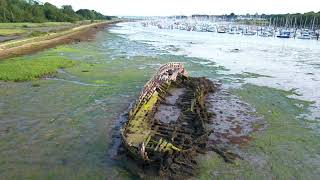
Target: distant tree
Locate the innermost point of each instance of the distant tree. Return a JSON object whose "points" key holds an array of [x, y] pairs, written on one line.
{"points": [[86, 13], [91, 14], [231, 16], [67, 9], [34, 11], [3, 11], [38, 14]]}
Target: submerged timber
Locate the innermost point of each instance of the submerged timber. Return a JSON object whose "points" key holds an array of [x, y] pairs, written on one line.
{"points": [[168, 126]]}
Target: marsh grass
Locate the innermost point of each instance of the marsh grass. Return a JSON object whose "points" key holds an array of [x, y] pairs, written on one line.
{"points": [[11, 32], [33, 25], [36, 33], [24, 69]]}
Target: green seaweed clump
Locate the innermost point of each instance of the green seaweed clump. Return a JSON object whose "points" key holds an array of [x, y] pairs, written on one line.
{"points": [[24, 69]]}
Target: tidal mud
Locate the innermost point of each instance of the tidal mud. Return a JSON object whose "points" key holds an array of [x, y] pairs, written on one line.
{"points": [[234, 120]]}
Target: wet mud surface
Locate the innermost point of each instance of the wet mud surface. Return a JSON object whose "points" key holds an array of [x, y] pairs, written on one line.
{"points": [[8, 38], [233, 121], [168, 111]]}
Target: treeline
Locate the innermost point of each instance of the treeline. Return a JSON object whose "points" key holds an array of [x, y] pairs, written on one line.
{"points": [[297, 20], [34, 11]]}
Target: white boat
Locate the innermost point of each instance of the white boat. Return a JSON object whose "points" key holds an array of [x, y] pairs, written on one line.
{"points": [[266, 34], [211, 29], [233, 30], [250, 33], [284, 34], [222, 29], [305, 35]]}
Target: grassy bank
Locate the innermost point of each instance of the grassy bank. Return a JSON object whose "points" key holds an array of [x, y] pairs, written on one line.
{"points": [[9, 29], [23, 29], [28, 68], [25, 69], [43, 41], [35, 25], [48, 36], [11, 32]]}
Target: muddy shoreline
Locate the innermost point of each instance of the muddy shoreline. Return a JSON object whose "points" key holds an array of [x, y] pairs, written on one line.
{"points": [[82, 33]]}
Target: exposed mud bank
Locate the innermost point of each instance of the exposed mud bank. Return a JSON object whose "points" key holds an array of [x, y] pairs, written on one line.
{"points": [[234, 121]]}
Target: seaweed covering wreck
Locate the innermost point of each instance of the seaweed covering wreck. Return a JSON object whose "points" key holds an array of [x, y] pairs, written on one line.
{"points": [[169, 124]]}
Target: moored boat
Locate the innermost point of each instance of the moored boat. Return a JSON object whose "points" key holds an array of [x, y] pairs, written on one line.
{"points": [[284, 34], [222, 29], [305, 35], [249, 33]]}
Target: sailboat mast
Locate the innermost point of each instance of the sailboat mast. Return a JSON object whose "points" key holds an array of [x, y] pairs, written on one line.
{"points": [[314, 18]]}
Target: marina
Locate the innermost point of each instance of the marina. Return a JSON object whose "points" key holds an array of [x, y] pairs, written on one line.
{"points": [[234, 28]]}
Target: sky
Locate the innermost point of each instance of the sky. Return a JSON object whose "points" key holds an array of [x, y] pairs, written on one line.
{"points": [[189, 7]]}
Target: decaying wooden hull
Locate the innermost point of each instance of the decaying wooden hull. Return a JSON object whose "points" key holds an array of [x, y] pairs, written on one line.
{"points": [[168, 124]]}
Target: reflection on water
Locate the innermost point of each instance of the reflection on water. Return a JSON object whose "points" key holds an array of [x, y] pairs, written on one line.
{"points": [[65, 127]]}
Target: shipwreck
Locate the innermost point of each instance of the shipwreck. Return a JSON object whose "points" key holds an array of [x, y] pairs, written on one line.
{"points": [[168, 125]]}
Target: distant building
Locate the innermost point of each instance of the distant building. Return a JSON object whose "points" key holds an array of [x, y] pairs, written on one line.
{"points": [[200, 16], [178, 17]]}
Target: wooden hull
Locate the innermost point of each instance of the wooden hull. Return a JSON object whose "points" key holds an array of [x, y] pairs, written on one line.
{"points": [[168, 124]]}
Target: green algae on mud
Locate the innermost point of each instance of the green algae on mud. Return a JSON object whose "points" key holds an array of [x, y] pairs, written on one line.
{"points": [[25, 69], [33, 67], [60, 133], [64, 49], [286, 149], [63, 128]]}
